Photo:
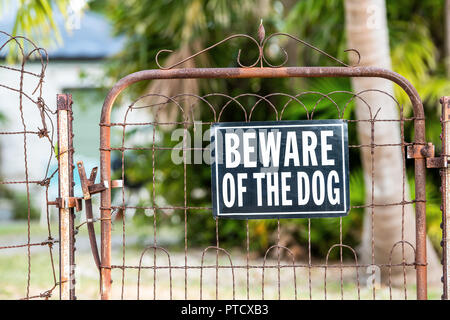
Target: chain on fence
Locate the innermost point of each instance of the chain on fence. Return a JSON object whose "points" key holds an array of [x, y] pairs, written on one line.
{"points": [[30, 106]]}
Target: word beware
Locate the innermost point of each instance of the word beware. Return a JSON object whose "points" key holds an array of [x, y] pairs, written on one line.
{"points": [[285, 169]]}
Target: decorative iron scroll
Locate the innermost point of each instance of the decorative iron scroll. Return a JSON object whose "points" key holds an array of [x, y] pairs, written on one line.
{"points": [[261, 60]]}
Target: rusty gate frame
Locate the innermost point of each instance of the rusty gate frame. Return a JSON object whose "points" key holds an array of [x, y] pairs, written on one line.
{"points": [[442, 164], [285, 72], [419, 151]]}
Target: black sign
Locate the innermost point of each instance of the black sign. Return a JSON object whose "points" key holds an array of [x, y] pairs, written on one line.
{"points": [[283, 169]]}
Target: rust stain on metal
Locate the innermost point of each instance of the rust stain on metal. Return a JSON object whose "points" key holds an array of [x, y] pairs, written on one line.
{"points": [[67, 203], [445, 191], [420, 151], [437, 162], [65, 173], [84, 181]]}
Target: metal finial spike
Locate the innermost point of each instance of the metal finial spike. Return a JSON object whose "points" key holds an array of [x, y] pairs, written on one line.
{"points": [[261, 32]]}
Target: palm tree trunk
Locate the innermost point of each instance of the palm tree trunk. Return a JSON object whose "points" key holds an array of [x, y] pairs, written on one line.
{"points": [[367, 31]]}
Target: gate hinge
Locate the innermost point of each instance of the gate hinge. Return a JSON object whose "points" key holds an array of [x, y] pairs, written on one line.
{"points": [[67, 203], [438, 162], [420, 151], [89, 187], [427, 152]]}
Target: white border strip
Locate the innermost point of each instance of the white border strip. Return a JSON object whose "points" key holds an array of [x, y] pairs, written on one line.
{"points": [[276, 126]]}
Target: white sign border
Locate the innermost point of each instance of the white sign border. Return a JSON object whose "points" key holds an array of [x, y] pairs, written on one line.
{"points": [[286, 213]]}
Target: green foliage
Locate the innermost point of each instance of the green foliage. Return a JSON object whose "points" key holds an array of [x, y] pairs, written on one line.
{"points": [[35, 20], [320, 23], [36, 16], [154, 25], [3, 118], [19, 204], [414, 56]]}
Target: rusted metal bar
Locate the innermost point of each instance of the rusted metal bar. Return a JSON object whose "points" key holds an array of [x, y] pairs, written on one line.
{"points": [[263, 72], [67, 203], [300, 72], [93, 175], [96, 188], [105, 214], [445, 191], [420, 164], [421, 232], [87, 186], [65, 167], [84, 181], [77, 204], [437, 162], [420, 151]]}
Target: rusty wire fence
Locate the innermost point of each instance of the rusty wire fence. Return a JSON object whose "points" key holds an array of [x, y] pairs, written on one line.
{"points": [[220, 270], [25, 122], [172, 266]]}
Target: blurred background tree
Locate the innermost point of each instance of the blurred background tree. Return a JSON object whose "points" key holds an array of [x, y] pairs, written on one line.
{"points": [[367, 30], [35, 19]]}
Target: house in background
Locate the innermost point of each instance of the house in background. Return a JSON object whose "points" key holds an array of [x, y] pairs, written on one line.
{"points": [[76, 67]]}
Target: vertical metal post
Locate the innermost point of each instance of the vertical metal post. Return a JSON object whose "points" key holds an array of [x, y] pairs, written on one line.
{"points": [[65, 182], [445, 192], [105, 175], [421, 229], [421, 225]]}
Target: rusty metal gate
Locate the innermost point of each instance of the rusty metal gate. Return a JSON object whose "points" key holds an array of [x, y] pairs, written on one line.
{"points": [[257, 70], [239, 288]]}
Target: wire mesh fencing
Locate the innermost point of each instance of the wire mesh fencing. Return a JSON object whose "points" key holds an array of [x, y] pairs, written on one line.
{"points": [[26, 142], [165, 171]]}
